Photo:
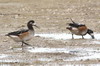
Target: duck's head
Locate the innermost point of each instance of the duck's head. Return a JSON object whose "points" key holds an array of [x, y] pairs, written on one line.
{"points": [[31, 23], [90, 32]]}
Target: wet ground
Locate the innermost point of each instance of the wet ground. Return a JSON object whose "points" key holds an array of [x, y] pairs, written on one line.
{"points": [[52, 44]]}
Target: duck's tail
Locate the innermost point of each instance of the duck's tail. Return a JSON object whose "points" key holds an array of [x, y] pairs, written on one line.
{"points": [[72, 20]]}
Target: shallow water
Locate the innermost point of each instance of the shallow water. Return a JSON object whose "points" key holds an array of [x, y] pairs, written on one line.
{"points": [[3, 55], [83, 65], [48, 50], [64, 36], [81, 53]]}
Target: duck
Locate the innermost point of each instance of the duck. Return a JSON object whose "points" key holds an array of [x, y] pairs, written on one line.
{"points": [[79, 29], [23, 34]]}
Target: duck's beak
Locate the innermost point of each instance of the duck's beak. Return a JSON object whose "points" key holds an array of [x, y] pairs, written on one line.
{"points": [[36, 25], [92, 35]]}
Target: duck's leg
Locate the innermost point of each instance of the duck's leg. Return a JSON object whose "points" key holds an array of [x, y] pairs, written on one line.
{"points": [[25, 43], [82, 37], [22, 44], [72, 36]]}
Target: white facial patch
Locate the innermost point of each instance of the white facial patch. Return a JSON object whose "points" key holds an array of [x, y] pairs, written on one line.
{"points": [[34, 24]]}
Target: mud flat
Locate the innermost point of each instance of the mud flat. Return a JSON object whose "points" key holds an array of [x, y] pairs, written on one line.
{"points": [[52, 44]]}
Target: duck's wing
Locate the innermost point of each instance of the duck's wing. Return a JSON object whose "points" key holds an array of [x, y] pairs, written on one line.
{"points": [[17, 33], [72, 20], [74, 24]]}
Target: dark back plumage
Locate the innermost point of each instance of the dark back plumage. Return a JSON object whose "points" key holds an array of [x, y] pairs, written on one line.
{"points": [[76, 25], [17, 33]]}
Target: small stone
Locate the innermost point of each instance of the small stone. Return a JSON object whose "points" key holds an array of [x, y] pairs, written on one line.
{"points": [[10, 47], [4, 40], [22, 25]]}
